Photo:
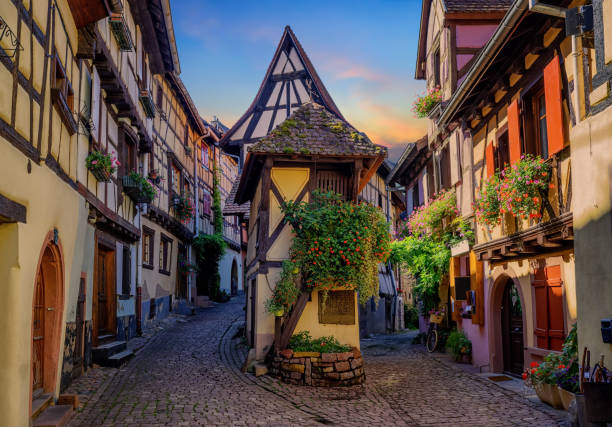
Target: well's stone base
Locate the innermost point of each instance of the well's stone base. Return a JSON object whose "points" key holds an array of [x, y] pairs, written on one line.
{"points": [[319, 369]]}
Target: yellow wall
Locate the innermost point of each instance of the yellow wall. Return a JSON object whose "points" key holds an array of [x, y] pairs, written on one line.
{"points": [[346, 334], [50, 203], [290, 182], [592, 188]]}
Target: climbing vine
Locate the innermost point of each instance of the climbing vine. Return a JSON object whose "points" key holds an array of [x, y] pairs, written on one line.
{"points": [[336, 244]]}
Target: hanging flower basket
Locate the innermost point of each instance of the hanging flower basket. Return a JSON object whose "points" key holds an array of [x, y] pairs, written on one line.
{"points": [[101, 165], [138, 188], [424, 104], [183, 207]]}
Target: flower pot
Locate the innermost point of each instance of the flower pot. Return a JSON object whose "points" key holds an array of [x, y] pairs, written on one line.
{"points": [[101, 175], [436, 318], [279, 313], [549, 394], [566, 397]]}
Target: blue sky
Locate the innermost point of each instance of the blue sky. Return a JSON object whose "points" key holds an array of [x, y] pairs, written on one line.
{"points": [[364, 51]]}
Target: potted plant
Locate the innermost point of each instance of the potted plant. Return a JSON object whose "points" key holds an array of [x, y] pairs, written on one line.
{"points": [[154, 177], [272, 307], [460, 346], [285, 292], [183, 207], [101, 165], [138, 188], [424, 104]]}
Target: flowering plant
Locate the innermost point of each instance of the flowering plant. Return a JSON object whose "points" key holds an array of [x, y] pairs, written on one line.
{"points": [[487, 205], [423, 104], [139, 187], [518, 190], [183, 207], [101, 165], [424, 248], [523, 185], [336, 244]]}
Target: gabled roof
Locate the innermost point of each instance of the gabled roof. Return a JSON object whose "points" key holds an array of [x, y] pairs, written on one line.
{"points": [[488, 10], [290, 81], [405, 161], [233, 208], [476, 6], [314, 130]]}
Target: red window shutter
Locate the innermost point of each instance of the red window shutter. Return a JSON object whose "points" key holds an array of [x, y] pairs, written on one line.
{"points": [[514, 132], [556, 323], [490, 160], [541, 308], [554, 106]]}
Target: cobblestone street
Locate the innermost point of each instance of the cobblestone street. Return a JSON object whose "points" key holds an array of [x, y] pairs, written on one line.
{"points": [[190, 375]]}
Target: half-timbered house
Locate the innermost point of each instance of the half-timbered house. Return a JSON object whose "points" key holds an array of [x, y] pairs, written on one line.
{"points": [[514, 293], [75, 79], [317, 150]]}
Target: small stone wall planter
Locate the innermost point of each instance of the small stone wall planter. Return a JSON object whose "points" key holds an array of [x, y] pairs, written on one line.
{"points": [[319, 369], [549, 393]]}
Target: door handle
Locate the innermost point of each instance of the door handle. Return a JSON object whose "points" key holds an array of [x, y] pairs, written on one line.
{"points": [[50, 308], [516, 330]]}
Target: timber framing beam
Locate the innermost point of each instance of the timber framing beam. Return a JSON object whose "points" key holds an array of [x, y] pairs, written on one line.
{"points": [[11, 211], [553, 236]]}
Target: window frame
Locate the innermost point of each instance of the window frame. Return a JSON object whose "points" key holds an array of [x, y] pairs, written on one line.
{"points": [[532, 136], [499, 151], [165, 254], [150, 233]]}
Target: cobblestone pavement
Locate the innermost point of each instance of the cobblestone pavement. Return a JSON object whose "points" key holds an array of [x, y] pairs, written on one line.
{"points": [[190, 375]]}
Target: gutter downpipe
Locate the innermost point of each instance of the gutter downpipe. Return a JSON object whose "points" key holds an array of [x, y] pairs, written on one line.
{"points": [[498, 38]]}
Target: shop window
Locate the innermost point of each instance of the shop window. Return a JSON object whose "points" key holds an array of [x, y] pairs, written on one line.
{"points": [[549, 327], [165, 254], [148, 247]]}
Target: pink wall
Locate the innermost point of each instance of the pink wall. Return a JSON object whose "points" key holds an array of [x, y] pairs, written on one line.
{"points": [[474, 35]]}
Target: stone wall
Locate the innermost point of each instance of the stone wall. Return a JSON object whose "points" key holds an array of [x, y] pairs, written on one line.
{"points": [[319, 369]]}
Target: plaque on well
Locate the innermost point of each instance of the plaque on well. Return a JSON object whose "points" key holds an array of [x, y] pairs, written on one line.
{"points": [[339, 308]]}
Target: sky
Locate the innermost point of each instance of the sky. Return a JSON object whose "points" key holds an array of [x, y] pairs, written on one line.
{"points": [[364, 52]]}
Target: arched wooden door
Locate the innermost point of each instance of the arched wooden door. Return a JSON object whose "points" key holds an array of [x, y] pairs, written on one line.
{"points": [[47, 309], [38, 334]]}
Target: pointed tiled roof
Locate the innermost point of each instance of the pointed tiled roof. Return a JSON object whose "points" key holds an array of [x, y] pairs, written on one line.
{"points": [[314, 130], [233, 208], [290, 81], [470, 6]]}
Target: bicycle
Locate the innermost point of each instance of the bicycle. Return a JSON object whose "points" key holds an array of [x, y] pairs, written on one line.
{"points": [[432, 337]]}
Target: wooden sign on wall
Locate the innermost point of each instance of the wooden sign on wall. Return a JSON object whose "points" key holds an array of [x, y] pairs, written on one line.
{"points": [[339, 308]]}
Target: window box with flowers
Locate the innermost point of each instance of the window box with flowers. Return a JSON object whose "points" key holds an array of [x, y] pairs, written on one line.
{"points": [[426, 103], [101, 165], [519, 190], [138, 188], [183, 207]]}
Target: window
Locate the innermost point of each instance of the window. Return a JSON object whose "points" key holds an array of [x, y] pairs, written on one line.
{"points": [[62, 85], [436, 68], [445, 178], [502, 151], [549, 327], [165, 254], [126, 283], [204, 156], [160, 97], [62, 95], [176, 179], [186, 138], [536, 133], [148, 246], [129, 159]]}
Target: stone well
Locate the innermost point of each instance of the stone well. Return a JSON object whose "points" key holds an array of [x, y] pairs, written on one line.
{"points": [[319, 369]]}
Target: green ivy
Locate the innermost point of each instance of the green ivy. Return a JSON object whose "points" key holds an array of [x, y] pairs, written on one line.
{"points": [[209, 249], [217, 211], [304, 342]]}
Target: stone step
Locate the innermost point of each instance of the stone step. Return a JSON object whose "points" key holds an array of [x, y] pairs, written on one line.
{"points": [[260, 369], [119, 359], [54, 416], [102, 352], [102, 338], [40, 403]]}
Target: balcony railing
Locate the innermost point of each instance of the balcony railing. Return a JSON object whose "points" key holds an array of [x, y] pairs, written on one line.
{"points": [[231, 232]]}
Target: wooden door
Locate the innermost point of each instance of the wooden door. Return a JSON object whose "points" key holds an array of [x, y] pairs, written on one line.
{"points": [[38, 334], [104, 294], [80, 331], [512, 329]]}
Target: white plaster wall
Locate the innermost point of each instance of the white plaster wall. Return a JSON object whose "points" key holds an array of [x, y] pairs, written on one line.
{"points": [[225, 270]]}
